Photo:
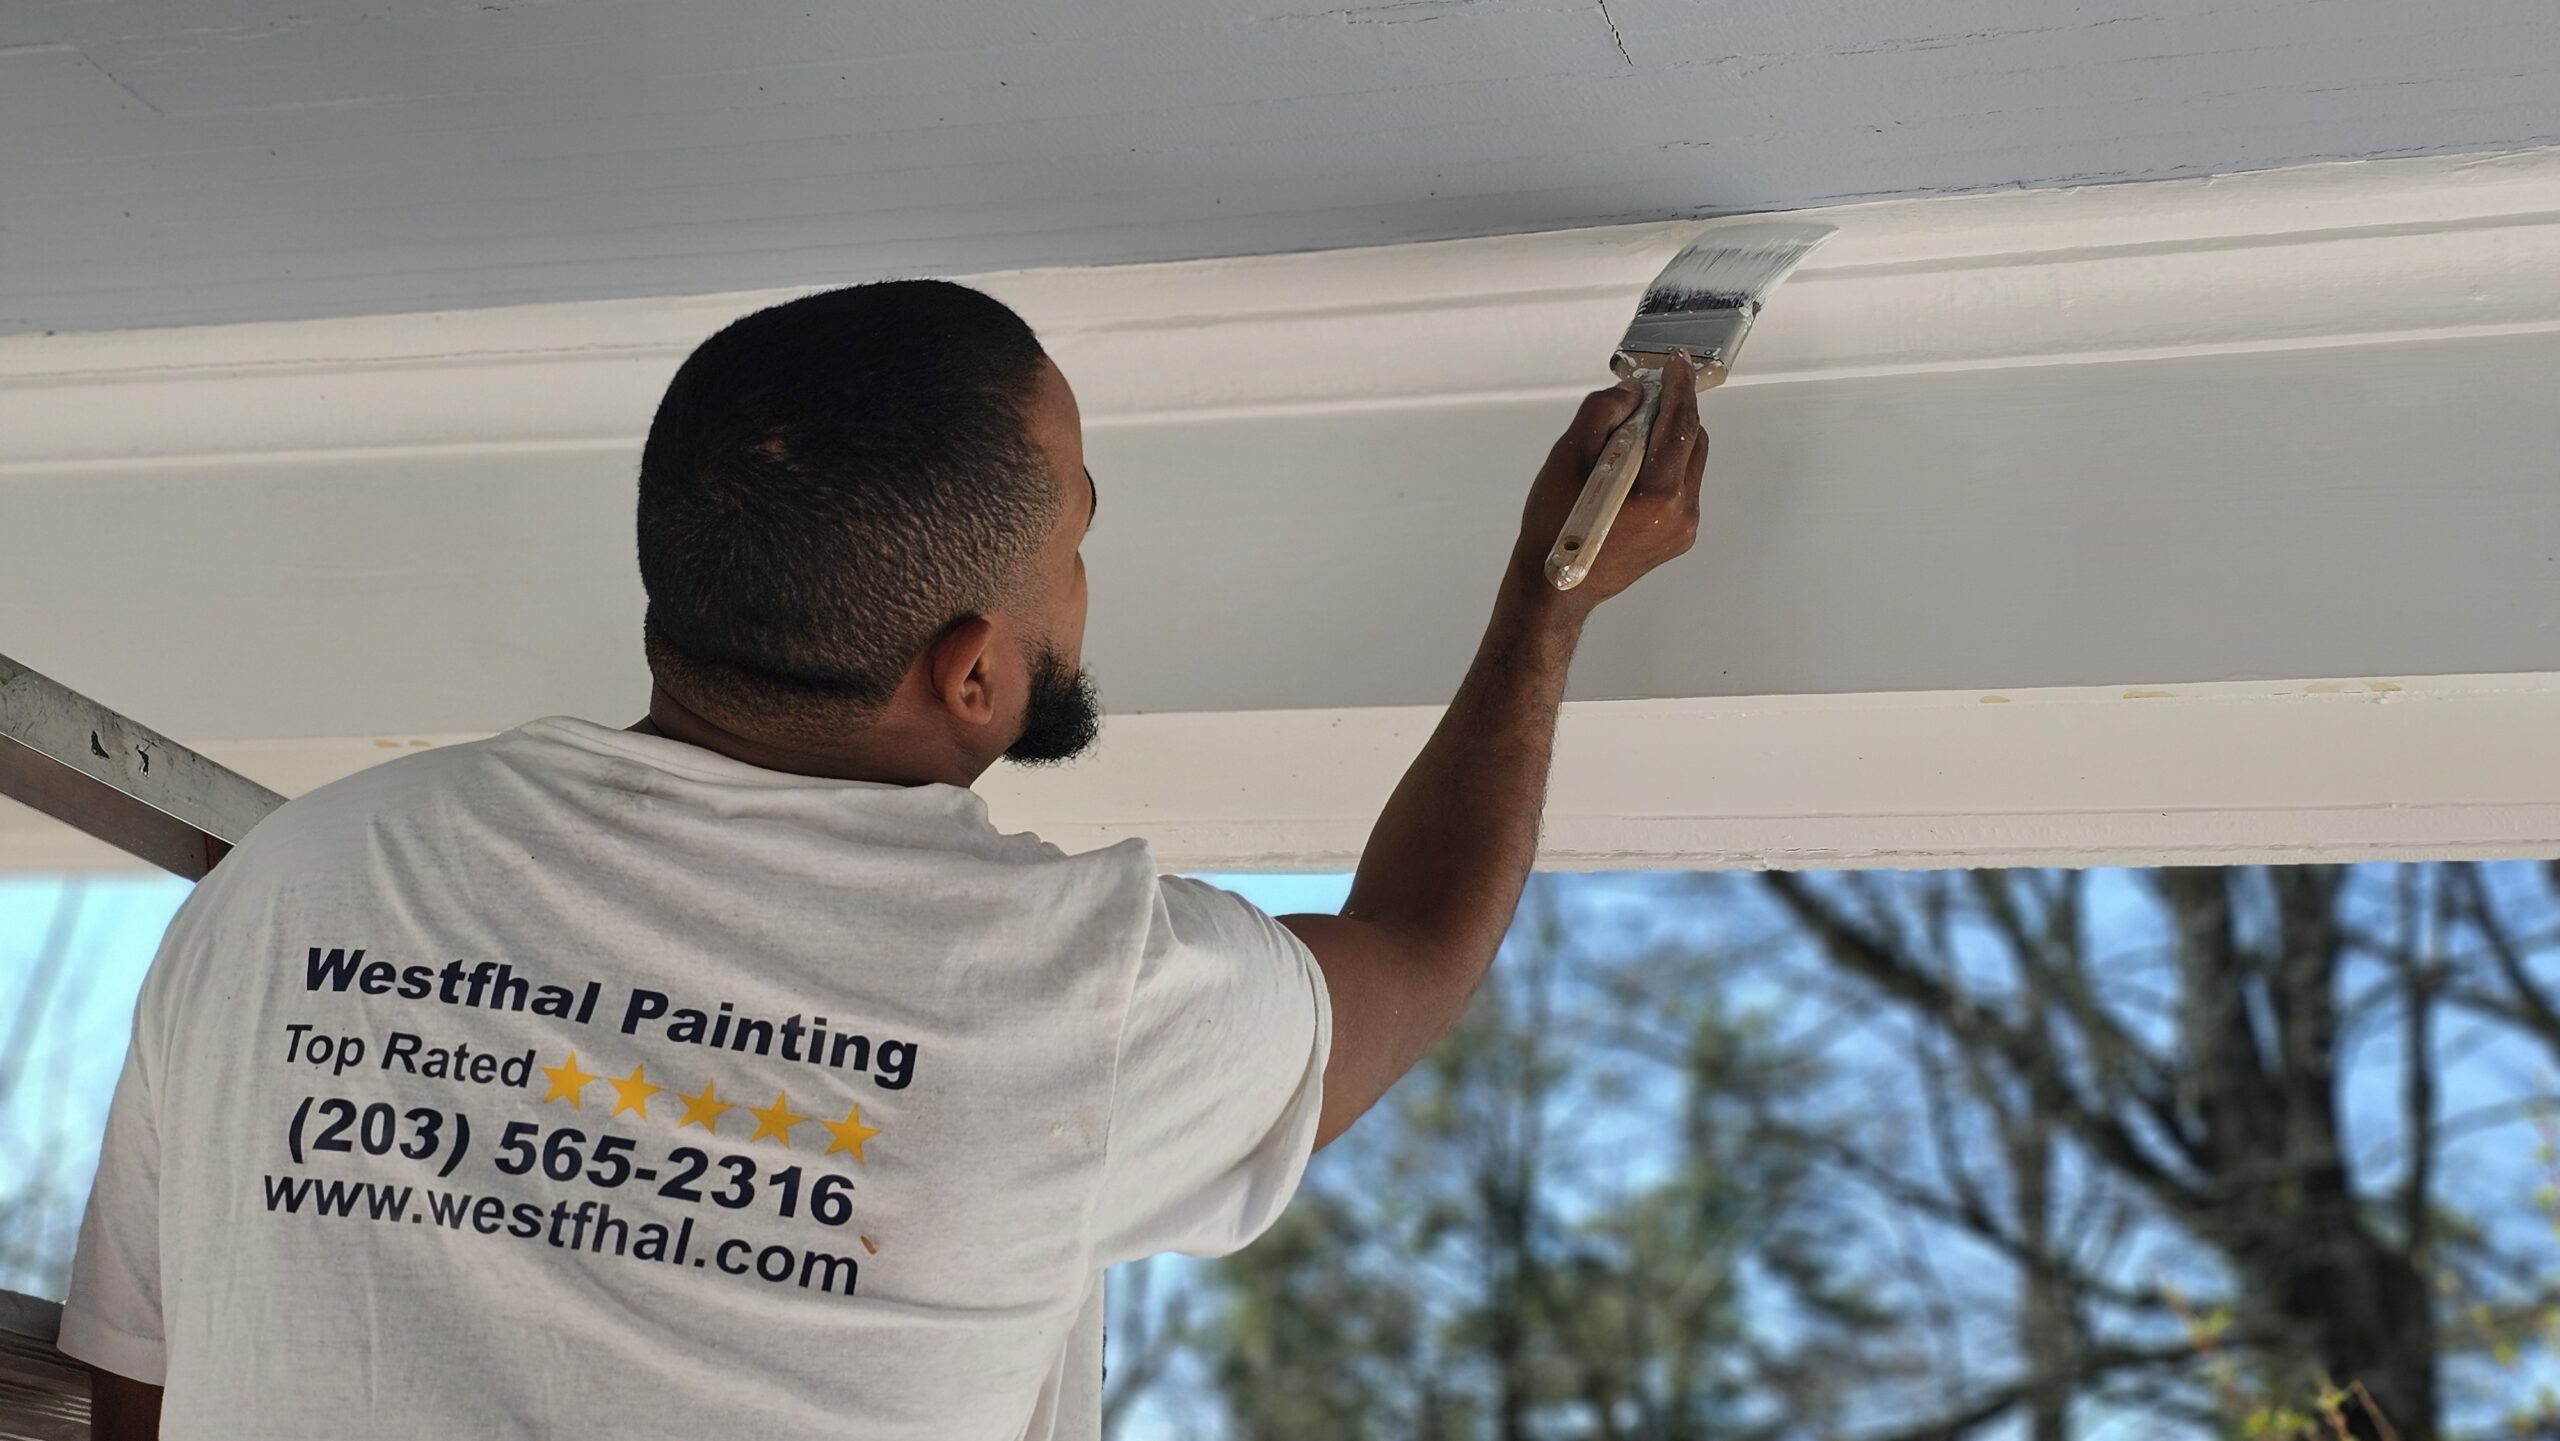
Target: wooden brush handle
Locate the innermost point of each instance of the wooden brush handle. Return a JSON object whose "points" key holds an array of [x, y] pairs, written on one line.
{"points": [[1612, 476]]}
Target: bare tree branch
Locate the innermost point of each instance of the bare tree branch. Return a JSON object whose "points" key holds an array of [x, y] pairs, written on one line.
{"points": [[2530, 1008], [1856, 950], [2096, 1362]]}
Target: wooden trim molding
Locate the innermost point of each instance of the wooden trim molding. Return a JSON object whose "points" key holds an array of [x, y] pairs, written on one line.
{"points": [[2364, 769], [2340, 770], [2321, 255]]}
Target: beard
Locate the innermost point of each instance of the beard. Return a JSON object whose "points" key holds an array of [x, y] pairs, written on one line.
{"points": [[1063, 717]]}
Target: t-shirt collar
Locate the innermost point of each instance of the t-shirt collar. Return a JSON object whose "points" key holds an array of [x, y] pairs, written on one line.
{"points": [[702, 764]]}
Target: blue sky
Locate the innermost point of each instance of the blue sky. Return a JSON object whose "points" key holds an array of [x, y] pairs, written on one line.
{"points": [[66, 1041]]}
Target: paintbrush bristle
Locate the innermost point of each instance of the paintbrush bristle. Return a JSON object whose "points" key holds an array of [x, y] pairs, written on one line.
{"points": [[1732, 267]]}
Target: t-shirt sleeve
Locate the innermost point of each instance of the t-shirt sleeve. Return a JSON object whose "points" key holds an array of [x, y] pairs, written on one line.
{"points": [[113, 1319], [1221, 1079]]}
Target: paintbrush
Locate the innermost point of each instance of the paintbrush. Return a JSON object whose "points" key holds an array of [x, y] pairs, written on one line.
{"points": [[1703, 302]]}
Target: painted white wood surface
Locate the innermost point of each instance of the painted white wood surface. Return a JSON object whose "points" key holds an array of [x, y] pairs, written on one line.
{"points": [[2349, 253], [2371, 768], [2262, 427], [2269, 426], [168, 162]]}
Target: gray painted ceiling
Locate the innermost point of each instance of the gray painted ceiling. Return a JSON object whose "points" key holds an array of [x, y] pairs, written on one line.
{"points": [[190, 161]]}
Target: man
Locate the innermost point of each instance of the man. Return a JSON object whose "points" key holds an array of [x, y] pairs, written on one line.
{"points": [[732, 1074]]}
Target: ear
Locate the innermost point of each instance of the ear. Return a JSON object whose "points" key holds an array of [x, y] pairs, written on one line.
{"points": [[957, 669]]}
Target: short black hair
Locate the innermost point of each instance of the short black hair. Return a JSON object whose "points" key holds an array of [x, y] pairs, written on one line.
{"points": [[829, 483]]}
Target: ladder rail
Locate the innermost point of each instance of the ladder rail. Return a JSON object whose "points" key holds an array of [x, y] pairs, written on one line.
{"points": [[111, 777]]}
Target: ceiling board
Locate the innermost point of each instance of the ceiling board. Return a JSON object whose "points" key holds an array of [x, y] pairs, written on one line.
{"points": [[167, 162]]}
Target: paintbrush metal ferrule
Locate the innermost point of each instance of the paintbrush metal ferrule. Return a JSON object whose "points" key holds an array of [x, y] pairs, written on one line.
{"points": [[1712, 338], [1705, 300]]}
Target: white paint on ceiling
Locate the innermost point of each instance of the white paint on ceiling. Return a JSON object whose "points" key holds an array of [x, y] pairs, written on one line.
{"points": [[173, 162]]}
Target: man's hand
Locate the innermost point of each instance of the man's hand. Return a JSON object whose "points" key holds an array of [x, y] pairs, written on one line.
{"points": [[1660, 517], [1444, 866]]}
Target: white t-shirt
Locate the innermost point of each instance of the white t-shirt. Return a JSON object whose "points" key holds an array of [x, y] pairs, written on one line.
{"points": [[577, 1082]]}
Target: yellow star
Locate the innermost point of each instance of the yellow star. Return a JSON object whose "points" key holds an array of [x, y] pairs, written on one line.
{"points": [[775, 1120], [633, 1091], [704, 1110], [568, 1081], [850, 1133]]}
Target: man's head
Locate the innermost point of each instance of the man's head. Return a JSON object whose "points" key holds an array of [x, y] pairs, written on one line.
{"points": [[860, 514]]}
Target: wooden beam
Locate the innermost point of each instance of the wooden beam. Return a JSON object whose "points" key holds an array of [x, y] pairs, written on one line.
{"points": [[2284, 424], [2364, 768]]}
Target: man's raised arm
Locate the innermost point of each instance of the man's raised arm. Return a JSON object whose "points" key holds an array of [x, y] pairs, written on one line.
{"points": [[1444, 867]]}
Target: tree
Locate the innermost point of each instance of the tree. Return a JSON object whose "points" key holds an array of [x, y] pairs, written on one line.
{"points": [[1148, 1331], [1479, 1261], [1922, 1156], [2202, 1093]]}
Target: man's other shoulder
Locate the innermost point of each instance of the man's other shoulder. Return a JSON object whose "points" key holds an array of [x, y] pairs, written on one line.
{"points": [[405, 780]]}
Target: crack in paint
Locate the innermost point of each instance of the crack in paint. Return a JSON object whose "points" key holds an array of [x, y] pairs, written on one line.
{"points": [[1614, 35], [145, 101], [1394, 12]]}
